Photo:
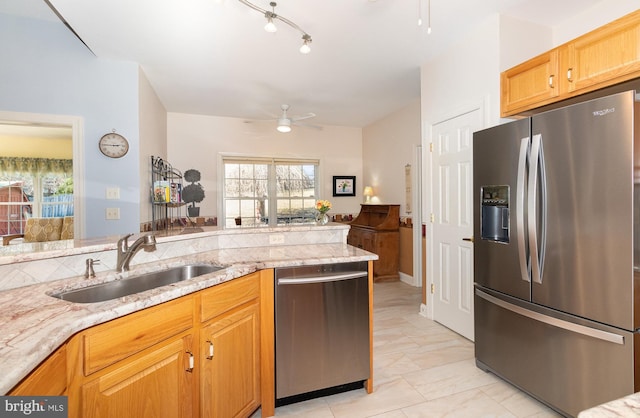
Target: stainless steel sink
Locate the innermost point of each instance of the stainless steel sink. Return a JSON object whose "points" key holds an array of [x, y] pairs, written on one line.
{"points": [[120, 288]]}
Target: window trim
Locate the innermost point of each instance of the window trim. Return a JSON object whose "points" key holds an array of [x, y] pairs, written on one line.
{"points": [[224, 158]]}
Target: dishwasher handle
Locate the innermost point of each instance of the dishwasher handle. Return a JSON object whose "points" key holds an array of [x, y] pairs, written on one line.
{"points": [[323, 278]]}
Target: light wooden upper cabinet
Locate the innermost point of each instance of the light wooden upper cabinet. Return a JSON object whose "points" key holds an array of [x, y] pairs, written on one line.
{"points": [[530, 83], [606, 56]]}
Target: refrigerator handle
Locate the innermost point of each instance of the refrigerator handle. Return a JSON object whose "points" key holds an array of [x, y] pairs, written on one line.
{"points": [[520, 198], [535, 168], [555, 322]]}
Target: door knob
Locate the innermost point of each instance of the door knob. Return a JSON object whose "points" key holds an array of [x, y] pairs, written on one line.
{"points": [[470, 239]]}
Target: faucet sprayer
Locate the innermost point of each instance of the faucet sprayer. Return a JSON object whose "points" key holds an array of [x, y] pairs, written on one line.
{"points": [[126, 253]]}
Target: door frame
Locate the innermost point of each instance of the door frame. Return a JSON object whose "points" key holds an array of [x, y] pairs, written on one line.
{"points": [[481, 105], [76, 123]]}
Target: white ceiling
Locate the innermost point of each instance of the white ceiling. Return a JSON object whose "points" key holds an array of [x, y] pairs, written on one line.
{"points": [[213, 57]]}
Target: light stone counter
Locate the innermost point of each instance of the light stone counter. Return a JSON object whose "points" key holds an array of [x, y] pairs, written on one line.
{"points": [[629, 406], [35, 324]]}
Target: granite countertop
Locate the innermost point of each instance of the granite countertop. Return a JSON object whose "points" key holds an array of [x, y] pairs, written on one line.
{"points": [[36, 324], [629, 406]]}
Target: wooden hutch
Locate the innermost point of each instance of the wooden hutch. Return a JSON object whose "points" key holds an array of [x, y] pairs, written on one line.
{"points": [[377, 229]]}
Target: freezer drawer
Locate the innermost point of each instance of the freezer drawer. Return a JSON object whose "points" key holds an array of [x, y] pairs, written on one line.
{"points": [[569, 369]]}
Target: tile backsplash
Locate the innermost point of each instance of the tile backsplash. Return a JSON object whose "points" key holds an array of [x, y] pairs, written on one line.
{"points": [[25, 273]]}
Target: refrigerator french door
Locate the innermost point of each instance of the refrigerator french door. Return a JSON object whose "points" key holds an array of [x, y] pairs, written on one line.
{"points": [[556, 217]]}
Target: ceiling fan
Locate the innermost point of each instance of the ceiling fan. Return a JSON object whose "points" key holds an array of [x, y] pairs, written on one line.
{"points": [[285, 121]]}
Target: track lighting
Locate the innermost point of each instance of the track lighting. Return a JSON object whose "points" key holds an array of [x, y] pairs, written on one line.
{"points": [[271, 27]]}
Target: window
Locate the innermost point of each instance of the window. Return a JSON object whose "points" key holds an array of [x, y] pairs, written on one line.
{"points": [[269, 192], [33, 187]]}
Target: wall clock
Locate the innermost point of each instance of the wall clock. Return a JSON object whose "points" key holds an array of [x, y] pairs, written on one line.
{"points": [[113, 145]]}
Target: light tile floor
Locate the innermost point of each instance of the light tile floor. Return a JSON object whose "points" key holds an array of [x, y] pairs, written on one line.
{"points": [[421, 369]]}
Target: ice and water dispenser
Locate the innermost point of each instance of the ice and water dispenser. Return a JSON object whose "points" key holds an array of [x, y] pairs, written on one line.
{"points": [[495, 213]]}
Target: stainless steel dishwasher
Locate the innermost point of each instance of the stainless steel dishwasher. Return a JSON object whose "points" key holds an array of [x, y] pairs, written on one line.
{"points": [[322, 330]]}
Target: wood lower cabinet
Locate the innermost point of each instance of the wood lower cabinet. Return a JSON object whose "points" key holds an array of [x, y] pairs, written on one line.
{"points": [[601, 58], [230, 349], [230, 373], [48, 379], [196, 356], [158, 382], [137, 365]]}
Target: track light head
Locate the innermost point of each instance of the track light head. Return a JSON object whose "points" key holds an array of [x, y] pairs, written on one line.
{"points": [[306, 45]]}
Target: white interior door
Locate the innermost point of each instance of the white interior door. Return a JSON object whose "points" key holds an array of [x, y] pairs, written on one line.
{"points": [[452, 221]]}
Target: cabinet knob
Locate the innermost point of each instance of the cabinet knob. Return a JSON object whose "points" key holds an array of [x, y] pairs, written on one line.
{"points": [[570, 75], [551, 81]]}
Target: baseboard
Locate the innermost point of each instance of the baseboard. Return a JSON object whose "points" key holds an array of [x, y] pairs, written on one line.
{"points": [[423, 310], [405, 278]]}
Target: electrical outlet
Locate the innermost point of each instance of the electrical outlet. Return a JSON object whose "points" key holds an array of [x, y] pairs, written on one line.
{"points": [[113, 213], [113, 193], [276, 239]]}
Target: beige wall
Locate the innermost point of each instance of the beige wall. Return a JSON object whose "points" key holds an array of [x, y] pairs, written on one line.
{"points": [[389, 144], [36, 147], [153, 139], [196, 141]]}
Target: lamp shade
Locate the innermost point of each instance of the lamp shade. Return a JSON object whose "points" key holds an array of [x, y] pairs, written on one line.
{"points": [[368, 191]]}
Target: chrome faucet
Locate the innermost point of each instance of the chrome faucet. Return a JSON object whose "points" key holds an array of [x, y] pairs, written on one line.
{"points": [[126, 253]]}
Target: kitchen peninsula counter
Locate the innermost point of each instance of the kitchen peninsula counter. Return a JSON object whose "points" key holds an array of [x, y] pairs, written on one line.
{"points": [[36, 324]]}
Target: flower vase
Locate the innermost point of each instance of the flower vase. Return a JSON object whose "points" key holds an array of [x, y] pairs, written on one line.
{"points": [[322, 218]]}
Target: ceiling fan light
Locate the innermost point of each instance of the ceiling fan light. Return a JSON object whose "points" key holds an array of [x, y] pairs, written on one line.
{"points": [[284, 125]]}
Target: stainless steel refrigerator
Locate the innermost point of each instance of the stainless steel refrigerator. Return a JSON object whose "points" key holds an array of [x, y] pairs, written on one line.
{"points": [[556, 266]]}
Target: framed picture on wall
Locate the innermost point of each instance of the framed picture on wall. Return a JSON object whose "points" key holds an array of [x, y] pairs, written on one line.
{"points": [[344, 185]]}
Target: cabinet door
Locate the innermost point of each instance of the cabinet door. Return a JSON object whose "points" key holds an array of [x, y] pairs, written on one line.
{"points": [[604, 57], [529, 84], [154, 383], [48, 379], [230, 358]]}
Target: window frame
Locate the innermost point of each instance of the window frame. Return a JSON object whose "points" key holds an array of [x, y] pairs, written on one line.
{"points": [[273, 198]]}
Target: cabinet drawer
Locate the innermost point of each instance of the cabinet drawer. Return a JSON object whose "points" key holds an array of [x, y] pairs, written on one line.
{"points": [[113, 341], [227, 296]]}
